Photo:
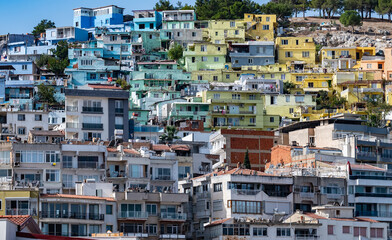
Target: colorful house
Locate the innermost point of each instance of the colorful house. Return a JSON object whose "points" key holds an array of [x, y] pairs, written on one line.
{"points": [[205, 56], [296, 49], [225, 31], [254, 53], [260, 27]]}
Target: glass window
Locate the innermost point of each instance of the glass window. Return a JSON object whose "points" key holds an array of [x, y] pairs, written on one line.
{"points": [[109, 209], [52, 175], [151, 209]]}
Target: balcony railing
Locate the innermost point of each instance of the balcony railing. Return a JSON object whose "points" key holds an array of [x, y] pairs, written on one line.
{"points": [[306, 237], [72, 125], [87, 164], [72, 215], [277, 194], [371, 177], [138, 215], [334, 195], [386, 195], [366, 213], [118, 126], [168, 178], [92, 126], [119, 110], [173, 216], [92, 110], [245, 191], [306, 194], [17, 211], [72, 108]]}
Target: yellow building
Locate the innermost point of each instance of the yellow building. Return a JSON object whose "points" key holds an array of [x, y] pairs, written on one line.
{"points": [[311, 82], [296, 49], [224, 31], [289, 105], [244, 109], [19, 202], [273, 71], [260, 27]]}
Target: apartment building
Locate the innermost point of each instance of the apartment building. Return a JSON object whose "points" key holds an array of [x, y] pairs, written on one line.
{"points": [[255, 53], [238, 193], [296, 50], [97, 112], [203, 56]]}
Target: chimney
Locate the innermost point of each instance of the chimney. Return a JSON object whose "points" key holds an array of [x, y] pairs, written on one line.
{"points": [[238, 165]]}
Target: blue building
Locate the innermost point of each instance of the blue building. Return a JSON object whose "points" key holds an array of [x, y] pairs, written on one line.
{"points": [[147, 20], [69, 34], [257, 53], [98, 17]]}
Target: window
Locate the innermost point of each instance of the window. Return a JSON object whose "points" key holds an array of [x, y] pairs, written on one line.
{"points": [[285, 42], [119, 122], [310, 85], [142, 26], [52, 156], [236, 229], [217, 187], [252, 120], [267, 19], [265, 27], [232, 24], [369, 65], [360, 231], [299, 78], [249, 207], [236, 96], [162, 174], [260, 231], [109, 228], [379, 66], [236, 32], [376, 232], [67, 161], [227, 76], [216, 59], [283, 232], [186, 25], [52, 175], [136, 171], [291, 110], [21, 131], [21, 117], [299, 99], [203, 48], [199, 77], [67, 181], [288, 54], [330, 230], [193, 34], [215, 78], [282, 76], [272, 119], [273, 100], [109, 209], [183, 172], [113, 38], [87, 62], [305, 54], [346, 229], [24, 67], [287, 98], [151, 209], [216, 96], [152, 229], [204, 59], [250, 60]]}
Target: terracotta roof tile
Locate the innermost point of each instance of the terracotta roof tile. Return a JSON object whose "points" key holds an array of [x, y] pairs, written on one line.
{"points": [[236, 171], [160, 147], [131, 151], [365, 167], [180, 147], [23, 221], [76, 196], [104, 86], [217, 222], [112, 149]]}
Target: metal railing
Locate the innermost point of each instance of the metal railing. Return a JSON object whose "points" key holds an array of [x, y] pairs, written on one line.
{"points": [[245, 191], [15, 211], [72, 125], [72, 108], [92, 110], [306, 194], [119, 110], [128, 214], [173, 216], [92, 126], [87, 164]]}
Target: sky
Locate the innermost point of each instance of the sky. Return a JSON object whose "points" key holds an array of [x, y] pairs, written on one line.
{"points": [[20, 16]]}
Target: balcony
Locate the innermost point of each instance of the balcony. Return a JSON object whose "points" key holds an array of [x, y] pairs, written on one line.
{"points": [[92, 126], [72, 108], [200, 195], [72, 125], [245, 191], [366, 213], [88, 164], [133, 215], [17, 211], [164, 178], [277, 194], [119, 110], [173, 216], [171, 236], [306, 237], [92, 110], [334, 196], [119, 126], [72, 215], [306, 194], [377, 195]]}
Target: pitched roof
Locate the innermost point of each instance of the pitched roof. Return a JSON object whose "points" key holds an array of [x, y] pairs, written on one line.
{"points": [[217, 222], [180, 147], [366, 167], [160, 147], [313, 215], [23, 221], [112, 149], [76, 197], [46, 133], [131, 151], [236, 171]]}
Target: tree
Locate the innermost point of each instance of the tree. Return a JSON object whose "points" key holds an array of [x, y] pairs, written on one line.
{"points": [[384, 7], [175, 52], [61, 51], [169, 134], [57, 66], [287, 86], [318, 5], [42, 61], [324, 100], [184, 7], [281, 10], [350, 18], [46, 94], [123, 83], [162, 5], [246, 160], [331, 7], [224, 9], [42, 26], [376, 111]]}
